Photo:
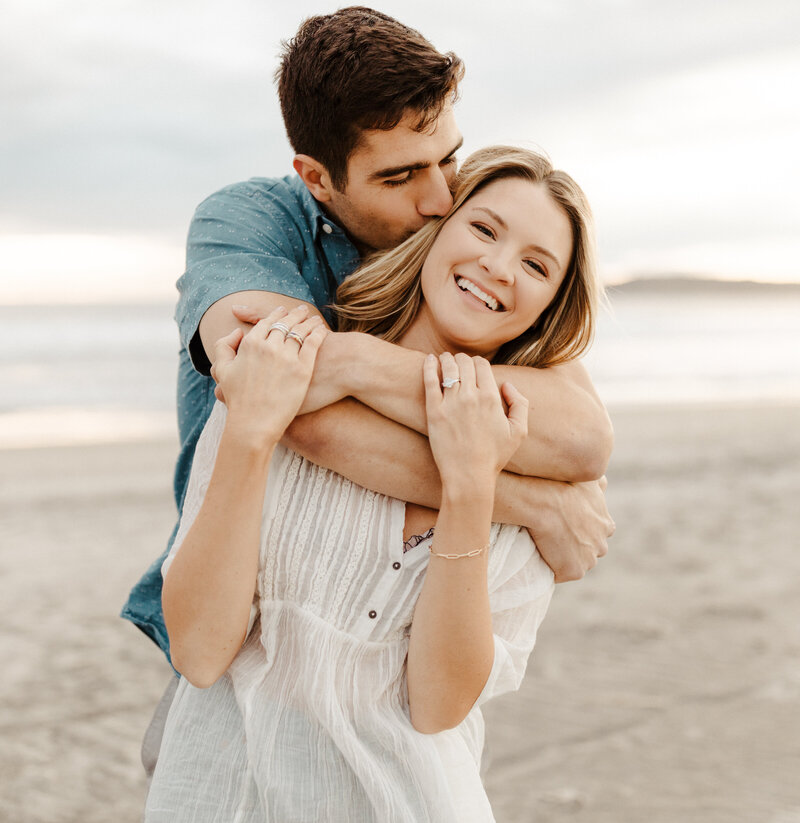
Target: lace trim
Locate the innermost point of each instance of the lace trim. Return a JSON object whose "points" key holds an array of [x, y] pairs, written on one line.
{"points": [[416, 539]]}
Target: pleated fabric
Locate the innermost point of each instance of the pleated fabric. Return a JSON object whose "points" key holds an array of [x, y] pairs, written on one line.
{"points": [[310, 722]]}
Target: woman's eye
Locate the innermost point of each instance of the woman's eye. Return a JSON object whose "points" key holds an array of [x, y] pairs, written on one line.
{"points": [[537, 267], [483, 229]]}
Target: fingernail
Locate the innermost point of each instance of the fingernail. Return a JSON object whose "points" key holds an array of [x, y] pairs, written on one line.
{"points": [[430, 358]]}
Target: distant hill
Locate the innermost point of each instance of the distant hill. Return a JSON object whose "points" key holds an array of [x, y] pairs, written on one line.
{"points": [[699, 285]]}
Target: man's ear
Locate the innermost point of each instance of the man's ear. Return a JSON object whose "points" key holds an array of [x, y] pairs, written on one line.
{"points": [[315, 176]]}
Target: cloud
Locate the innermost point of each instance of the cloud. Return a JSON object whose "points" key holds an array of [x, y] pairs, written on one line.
{"points": [[122, 115]]}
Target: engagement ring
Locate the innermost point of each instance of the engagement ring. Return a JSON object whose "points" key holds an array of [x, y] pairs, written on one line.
{"points": [[449, 382]]}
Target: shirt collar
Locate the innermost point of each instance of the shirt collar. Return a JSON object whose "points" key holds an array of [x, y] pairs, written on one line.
{"points": [[316, 216], [340, 252]]}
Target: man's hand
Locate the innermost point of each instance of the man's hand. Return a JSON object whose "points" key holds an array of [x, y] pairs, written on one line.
{"points": [[573, 533]]}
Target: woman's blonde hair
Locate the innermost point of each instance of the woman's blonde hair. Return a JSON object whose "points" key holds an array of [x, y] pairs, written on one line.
{"points": [[383, 296]]}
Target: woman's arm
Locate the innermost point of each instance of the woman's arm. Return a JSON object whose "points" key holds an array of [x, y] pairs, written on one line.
{"points": [[451, 649], [209, 587], [569, 521], [569, 432]]}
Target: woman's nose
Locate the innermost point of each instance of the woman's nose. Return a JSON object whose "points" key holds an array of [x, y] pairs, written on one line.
{"points": [[498, 267]]}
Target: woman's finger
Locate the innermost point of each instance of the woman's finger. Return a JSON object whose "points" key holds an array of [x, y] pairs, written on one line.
{"points": [[226, 347], [313, 340], [249, 315], [450, 374], [302, 330], [484, 376], [261, 328], [286, 324], [517, 409], [466, 370], [433, 388]]}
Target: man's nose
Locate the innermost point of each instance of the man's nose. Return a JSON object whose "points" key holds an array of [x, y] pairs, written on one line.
{"points": [[435, 198]]}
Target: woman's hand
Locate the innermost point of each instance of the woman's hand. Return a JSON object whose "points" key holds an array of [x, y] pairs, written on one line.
{"points": [[471, 436], [262, 376]]}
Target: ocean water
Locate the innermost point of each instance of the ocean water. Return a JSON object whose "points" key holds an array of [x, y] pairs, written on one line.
{"points": [[82, 374], [698, 344]]}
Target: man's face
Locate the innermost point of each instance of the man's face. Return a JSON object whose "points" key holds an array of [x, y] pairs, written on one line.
{"points": [[396, 181]]}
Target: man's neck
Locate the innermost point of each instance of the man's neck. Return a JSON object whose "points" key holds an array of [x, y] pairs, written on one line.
{"points": [[362, 248]]}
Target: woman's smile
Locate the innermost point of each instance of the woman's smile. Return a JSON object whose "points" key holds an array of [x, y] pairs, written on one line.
{"points": [[482, 296], [495, 266]]}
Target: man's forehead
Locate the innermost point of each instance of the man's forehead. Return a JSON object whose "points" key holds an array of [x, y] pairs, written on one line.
{"points": [[404, 147]]}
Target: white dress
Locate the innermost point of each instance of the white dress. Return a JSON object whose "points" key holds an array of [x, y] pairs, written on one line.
{"points": [[310, 723]]}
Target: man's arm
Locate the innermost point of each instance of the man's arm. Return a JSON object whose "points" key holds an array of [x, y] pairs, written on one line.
{"points": [[569, 432], [569, 521]]}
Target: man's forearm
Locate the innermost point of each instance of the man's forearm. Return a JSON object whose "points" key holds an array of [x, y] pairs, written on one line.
{"points": [[569, 521], [380, 454], [570, 434]]}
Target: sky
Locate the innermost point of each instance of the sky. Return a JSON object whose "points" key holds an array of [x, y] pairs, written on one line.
{"points": [[679, 119]]}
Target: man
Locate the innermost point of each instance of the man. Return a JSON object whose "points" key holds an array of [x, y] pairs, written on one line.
{"points": [[367, 104]]}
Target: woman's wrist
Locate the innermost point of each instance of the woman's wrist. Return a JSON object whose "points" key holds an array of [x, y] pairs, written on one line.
{"points": [[247, 434], [469, 494]]}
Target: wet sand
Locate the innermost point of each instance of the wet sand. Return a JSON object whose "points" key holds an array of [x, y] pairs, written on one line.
{"points": [[665, 686]]}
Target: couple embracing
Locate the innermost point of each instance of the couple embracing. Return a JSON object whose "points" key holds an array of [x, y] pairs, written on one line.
{"points": [[373, 518]]}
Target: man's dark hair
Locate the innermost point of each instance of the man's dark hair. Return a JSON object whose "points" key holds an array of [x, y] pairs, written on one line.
{"points": [[358, 69]]}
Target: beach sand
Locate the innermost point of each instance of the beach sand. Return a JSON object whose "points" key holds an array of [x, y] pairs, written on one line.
{"points": [[664, 687]]}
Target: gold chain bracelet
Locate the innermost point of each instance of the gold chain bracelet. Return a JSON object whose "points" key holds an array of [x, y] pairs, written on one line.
{"points": [[473, 553]]}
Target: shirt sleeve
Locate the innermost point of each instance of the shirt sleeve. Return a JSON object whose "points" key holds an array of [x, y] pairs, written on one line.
{"points": [[520, 588], [242, 238]]}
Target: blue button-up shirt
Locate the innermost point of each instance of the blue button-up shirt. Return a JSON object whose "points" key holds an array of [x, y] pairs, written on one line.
{"points": [[267, 235]]}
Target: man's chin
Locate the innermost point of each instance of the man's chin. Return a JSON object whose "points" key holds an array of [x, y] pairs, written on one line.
{"points": [[410, 233], [379, 244]]}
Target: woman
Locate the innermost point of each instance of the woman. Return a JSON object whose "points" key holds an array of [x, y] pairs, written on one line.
{"points": [[347, 688]]}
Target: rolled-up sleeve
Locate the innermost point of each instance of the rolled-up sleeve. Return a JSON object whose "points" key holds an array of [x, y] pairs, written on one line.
{"points": [[240, 239]]}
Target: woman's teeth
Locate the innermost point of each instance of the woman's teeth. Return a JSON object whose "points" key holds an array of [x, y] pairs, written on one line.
{"points": [[468, 285]]}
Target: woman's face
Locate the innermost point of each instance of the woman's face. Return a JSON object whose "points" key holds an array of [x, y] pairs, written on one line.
{"points": [[495, 266]]}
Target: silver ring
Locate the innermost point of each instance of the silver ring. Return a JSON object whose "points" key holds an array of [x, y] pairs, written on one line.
{"points": [[449, 382], [280, 327], [295, 336]]}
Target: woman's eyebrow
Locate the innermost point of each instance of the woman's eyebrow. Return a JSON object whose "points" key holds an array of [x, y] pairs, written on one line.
{"points": [[494, 215], [502, 223]]}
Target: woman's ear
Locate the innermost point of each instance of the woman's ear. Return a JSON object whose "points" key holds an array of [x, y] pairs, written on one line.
{"points": [[315, 176]]}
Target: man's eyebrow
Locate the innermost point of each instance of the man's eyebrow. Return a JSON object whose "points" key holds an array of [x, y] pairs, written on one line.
{"points": [[396, 170], [502, 223]]}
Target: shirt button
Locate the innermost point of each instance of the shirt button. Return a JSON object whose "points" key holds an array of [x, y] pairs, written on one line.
{"points": [[373, 614], [396, 565], [327, 228]]}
